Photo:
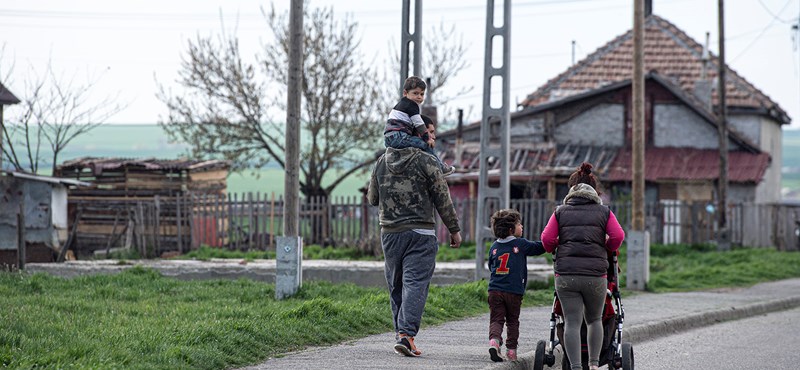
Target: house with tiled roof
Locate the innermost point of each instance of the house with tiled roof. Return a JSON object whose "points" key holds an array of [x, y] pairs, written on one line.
{"points": [[585, 114]]}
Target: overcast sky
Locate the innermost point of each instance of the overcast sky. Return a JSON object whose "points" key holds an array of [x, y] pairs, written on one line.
{"points": [[130, 47]]}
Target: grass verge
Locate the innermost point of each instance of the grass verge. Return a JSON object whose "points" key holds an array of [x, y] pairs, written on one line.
{"points": [[141, 320]]}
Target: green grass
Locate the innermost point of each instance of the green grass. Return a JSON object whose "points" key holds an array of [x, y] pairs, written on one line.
{"points": [[685, 268], [141, 320]]}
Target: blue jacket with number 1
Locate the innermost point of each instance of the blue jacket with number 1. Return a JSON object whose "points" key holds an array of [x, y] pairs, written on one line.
{"points": [[508, 263]]}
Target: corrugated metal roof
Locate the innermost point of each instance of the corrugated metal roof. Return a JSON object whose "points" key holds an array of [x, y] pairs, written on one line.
{"points": [[668, 51], [47, 179], [542, 160], [98, 165], [690, 164]]}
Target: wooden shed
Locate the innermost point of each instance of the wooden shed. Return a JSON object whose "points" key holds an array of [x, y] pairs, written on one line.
{"points": [[41, 201], [139, 203]]}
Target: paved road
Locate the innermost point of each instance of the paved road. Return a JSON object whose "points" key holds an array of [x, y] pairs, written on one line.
{"points": [[761, 342], [462, 344]]}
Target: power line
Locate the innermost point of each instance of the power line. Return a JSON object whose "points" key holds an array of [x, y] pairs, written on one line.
{"points": [[769, 25]]}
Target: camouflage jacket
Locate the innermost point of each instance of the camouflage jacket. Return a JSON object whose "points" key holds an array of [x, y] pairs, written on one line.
{"points": [[407, 185]]}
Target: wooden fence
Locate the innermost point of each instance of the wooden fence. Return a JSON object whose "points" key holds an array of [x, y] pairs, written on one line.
{"points": [[251, 221]]}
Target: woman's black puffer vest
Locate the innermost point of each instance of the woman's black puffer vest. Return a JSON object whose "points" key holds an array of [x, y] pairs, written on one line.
{"points": [[582, 233]]}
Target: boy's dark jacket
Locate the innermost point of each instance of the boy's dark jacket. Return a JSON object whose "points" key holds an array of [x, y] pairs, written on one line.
{"points": [[508, 263]]}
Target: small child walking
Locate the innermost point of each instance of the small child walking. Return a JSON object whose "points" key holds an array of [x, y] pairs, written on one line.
{"points": [[405, 126], [509, 267]]}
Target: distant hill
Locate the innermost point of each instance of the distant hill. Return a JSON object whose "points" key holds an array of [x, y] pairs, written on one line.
{"points": [[791, 164]]}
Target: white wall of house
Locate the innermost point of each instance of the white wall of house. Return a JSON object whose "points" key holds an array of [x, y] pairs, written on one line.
{"points": [[767, 135], [771, 142], [747, 125], [602, 125], [677, 126], [527, 129]]}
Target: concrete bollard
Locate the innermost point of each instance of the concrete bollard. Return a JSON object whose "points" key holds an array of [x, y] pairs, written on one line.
{"points": [[289, 266], [638, 260]]}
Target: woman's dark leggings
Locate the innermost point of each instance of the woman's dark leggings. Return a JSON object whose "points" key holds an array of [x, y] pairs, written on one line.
{"points": [[582, 298]]}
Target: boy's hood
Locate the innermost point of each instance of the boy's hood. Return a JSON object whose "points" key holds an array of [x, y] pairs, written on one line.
{"points": [[398, 160]]}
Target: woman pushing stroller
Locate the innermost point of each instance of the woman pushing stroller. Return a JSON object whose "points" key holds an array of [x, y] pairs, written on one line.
{"points": [[581, 232]]}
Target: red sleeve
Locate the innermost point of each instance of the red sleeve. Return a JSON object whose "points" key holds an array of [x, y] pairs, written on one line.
{"points": [[550, 234], [615, 233]]}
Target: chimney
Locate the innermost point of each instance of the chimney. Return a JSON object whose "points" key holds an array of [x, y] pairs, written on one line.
{"points": [[703, 87], [429, 109], [459, 137], [648, 8]]}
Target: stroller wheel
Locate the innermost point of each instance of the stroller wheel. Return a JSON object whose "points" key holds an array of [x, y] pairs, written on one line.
{"points": [[538, 358], [627, 356]]}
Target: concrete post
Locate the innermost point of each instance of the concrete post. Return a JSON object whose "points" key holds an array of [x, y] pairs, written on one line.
{"points": [[638, 273], [289, 268]]}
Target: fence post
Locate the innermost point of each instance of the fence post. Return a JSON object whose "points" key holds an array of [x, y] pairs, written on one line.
{"points": [[21, 255]]}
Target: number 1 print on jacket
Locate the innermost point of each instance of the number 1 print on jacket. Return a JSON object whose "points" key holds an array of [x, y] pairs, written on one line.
{"points": [[508, 263]]}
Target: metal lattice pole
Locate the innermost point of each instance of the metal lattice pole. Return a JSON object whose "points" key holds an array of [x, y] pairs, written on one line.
{"points": [[407, 38], [494, 143]]}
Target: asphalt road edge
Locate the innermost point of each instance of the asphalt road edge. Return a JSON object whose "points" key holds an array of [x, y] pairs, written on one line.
{"points": [[652, 330]]}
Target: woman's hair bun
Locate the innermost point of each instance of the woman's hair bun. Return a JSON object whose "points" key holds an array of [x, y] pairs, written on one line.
{"points": [[586, 168]]}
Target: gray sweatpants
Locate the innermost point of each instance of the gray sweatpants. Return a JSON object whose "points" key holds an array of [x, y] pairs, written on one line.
{"points": [[582, 298], [410, 261]]}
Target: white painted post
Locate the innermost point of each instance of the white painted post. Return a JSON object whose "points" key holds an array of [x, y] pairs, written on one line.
{"points": [[638, 259], [289, 269]]}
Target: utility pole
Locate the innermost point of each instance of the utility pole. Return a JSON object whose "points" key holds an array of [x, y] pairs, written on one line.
{"points": [[407, 38], [723, 237], [289, 272], [638, 237], [497, 147]]}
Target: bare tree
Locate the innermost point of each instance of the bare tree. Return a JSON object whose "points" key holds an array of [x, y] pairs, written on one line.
{"points": [[227, 110], [53, 111]]}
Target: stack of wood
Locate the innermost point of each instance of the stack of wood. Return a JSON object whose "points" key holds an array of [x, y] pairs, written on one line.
{"points": [[137, 203]]}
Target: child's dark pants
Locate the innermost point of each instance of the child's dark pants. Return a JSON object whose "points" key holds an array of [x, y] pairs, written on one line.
{"points": [[504, 309]]}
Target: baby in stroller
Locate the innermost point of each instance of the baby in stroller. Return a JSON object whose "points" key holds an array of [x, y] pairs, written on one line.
{"points": [[616, 353]]}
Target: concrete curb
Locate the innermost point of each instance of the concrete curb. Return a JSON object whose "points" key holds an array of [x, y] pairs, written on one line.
{"points": [[654, 330]]}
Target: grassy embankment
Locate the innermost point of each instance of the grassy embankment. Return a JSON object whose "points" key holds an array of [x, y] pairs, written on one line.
{"points": [[139, 319]]}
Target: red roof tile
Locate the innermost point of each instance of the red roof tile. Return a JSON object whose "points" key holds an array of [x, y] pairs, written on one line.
{"points": [[689, 164], [669, 52]]}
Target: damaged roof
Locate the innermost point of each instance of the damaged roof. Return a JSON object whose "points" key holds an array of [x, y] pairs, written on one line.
{"points": [[98, 165]]}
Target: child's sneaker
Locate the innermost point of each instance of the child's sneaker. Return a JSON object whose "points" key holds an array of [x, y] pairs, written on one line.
{"points": [[494, 350], [511, 354], [405, 345], [449, 170]]}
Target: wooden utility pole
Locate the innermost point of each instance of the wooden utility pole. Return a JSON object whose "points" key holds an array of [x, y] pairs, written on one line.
{"points": [[638, 238], [723, 237], [292, 179], [638, 135], [289, 277]]}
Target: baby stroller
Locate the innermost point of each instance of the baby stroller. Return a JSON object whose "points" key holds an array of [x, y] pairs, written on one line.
{"points": [[616, 353]]}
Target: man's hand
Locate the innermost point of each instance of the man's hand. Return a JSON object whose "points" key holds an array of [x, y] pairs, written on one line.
{"points": [[455, 240]]}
